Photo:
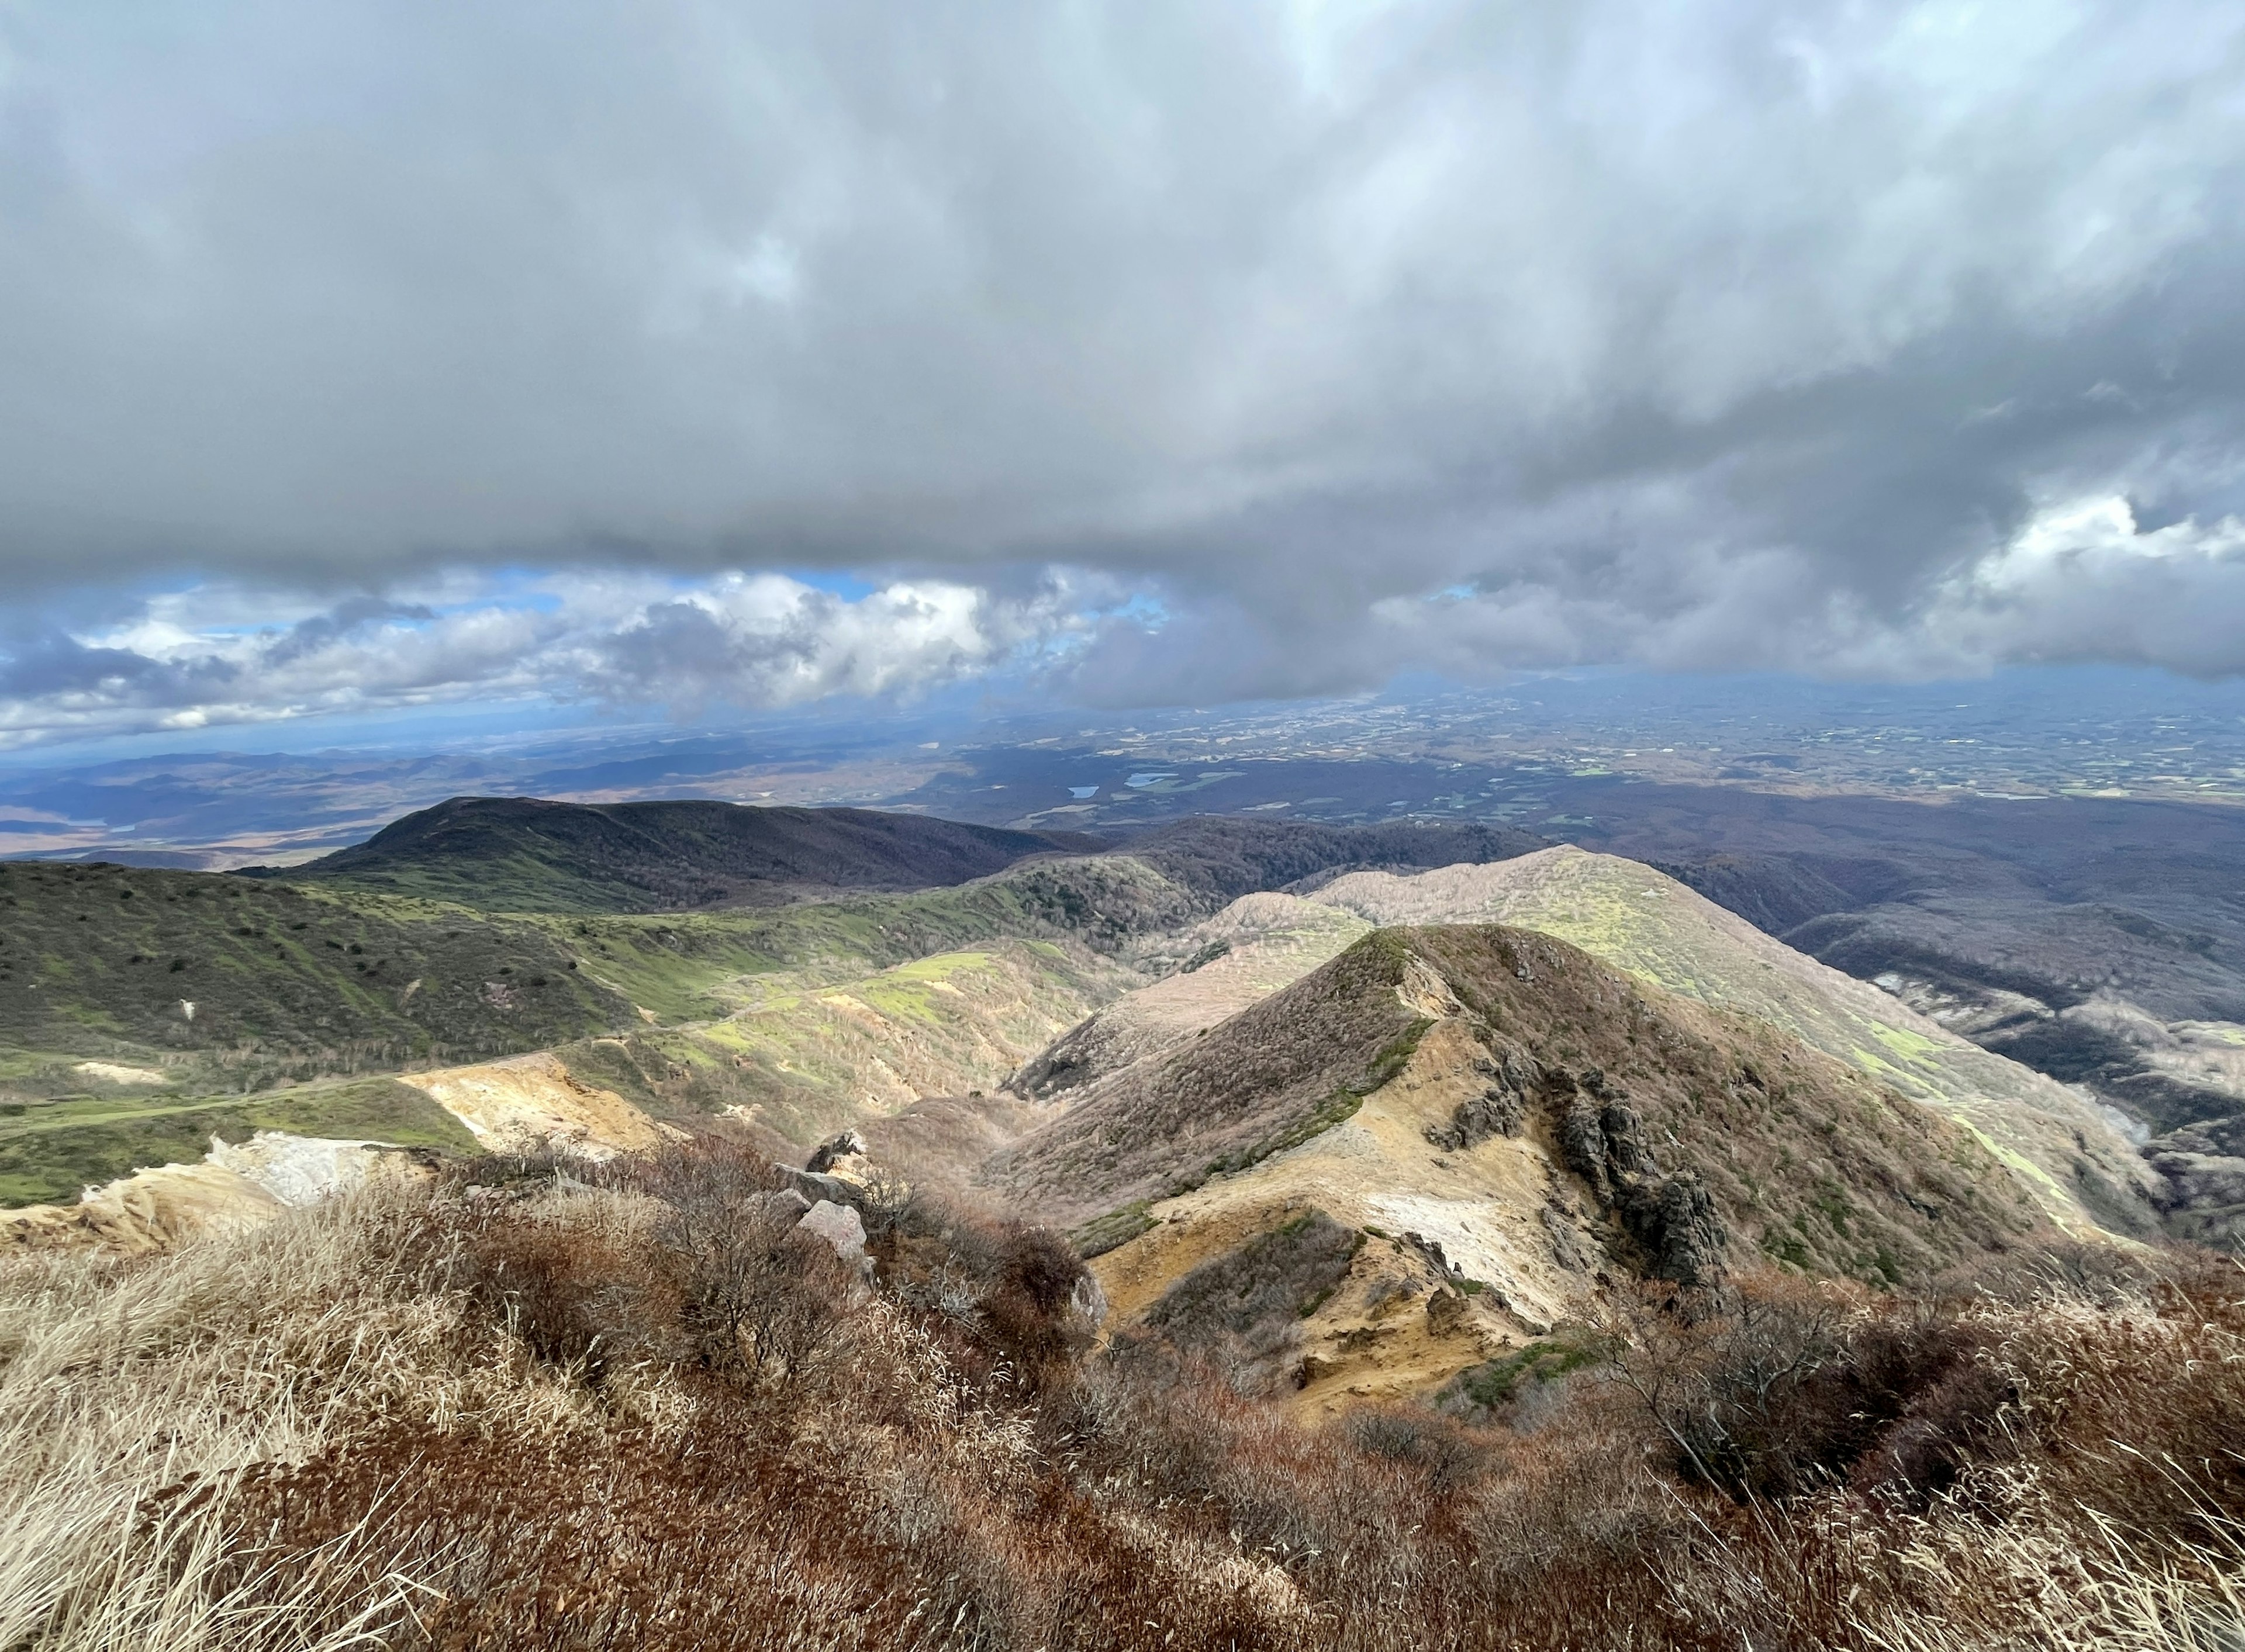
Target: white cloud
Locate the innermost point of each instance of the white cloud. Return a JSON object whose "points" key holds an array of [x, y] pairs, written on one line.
{"points": [[750, 641], [2081, 581]]}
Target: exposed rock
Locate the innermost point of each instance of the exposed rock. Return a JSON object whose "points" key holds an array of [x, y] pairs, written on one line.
{"points": [[787, 1205], [848, 1145], [1674, 1218], [1088, 1298], [1447, 1312], [231, 1190], [1683, 1232], [1495, 1112], [1583, 1144], [840, 1226], [149, 1210], [1566, 1243], [815, 1187], [1626, 1154], [298, 1170], [1432, 1250]]}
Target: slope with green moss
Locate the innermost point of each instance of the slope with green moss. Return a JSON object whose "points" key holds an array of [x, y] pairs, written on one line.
{"points": [[807, 1062], [529, 855], [845, 1005], [232, 981], [49, 1151], [150, 1003]]}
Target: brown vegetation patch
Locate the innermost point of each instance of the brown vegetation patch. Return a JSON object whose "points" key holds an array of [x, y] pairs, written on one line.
{"points": [[401, 1419]]}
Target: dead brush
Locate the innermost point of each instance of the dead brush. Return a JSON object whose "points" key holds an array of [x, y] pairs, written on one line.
{"points": [[571, 1411]]}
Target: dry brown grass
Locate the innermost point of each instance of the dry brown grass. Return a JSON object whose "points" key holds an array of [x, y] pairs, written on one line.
{"points": [[503, 1415]]}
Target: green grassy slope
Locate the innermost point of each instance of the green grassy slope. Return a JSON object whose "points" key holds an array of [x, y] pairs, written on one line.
{"points": [[804, 1017], [809, 1062], [699, 966], [50, 1150], [296, 986], [103, 962], [527, 855]]}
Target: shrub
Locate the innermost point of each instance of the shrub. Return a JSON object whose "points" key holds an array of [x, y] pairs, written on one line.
{"points": [[1241, 1310], [460, 1419]]}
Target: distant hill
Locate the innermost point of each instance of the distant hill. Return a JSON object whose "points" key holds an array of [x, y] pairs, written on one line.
{"points": [[528, 855], [1220, 857]]}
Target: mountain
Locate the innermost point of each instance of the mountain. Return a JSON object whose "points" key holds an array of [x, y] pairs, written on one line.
{"points": [[1636, 919], [527, 855], [1515, 1123], [1216, 968], [2101, 942]]}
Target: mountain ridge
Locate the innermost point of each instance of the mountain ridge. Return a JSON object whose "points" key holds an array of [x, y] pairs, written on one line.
{"points": [[528, 854]]}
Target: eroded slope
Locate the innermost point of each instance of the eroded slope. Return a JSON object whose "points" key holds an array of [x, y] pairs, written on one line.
{"points": [[1513, 1125], [1662, 932]]}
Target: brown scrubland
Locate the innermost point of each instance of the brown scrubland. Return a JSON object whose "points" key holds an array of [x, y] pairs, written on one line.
{"points": [[541, 1403]]}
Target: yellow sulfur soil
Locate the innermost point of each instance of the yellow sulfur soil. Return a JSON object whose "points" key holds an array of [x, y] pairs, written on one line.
{"points": [[528, 1101], [1374, 1337]]}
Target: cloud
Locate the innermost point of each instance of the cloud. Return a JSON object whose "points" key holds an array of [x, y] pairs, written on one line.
{"points": [[1354, 336], [2083, 581], [756, 641], [767, 640]]}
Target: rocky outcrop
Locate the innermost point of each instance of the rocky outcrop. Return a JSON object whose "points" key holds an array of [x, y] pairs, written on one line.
{"points": [[840, 1226], [848, 1145], [232, 1189], [1672, 1218], [1500, 1110], [823, 1185], [2202, 1167]]}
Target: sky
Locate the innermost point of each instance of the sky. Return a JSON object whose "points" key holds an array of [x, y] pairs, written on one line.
{"points": [[698, 357]]}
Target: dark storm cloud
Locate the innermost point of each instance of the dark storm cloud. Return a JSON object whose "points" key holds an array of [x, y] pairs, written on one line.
{"points": [[1361, 335], [347, 619], [50, 665]]}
